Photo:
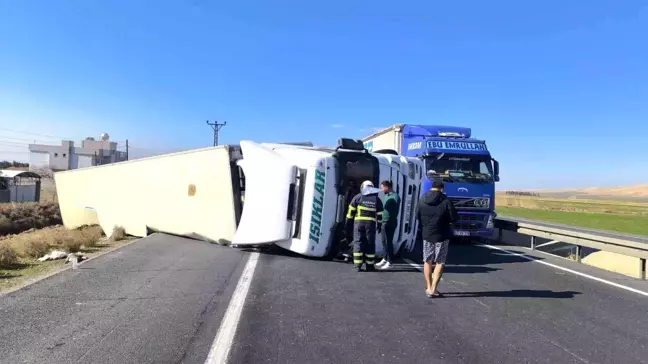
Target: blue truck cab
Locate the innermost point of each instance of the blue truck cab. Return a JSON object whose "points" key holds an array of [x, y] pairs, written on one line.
{"points": [[451, 155]]}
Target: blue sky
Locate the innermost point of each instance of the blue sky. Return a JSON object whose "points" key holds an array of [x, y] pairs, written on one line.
{"points": [[559, 89]]}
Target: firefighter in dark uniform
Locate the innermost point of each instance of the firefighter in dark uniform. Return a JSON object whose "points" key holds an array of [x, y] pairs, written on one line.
{"points": [[365, 210]]}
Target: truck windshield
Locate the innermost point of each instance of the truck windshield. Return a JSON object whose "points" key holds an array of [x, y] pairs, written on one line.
{"points": [[459, 168]]}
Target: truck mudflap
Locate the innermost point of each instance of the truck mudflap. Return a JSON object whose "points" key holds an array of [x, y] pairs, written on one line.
{"points": [[269, 180]]}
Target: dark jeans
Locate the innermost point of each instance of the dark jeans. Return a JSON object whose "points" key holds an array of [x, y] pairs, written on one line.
{"points": [[388, 241]]}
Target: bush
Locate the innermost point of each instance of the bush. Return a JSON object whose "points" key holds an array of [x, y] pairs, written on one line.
{"points": [[7, 164], [36, 248], [7, 255], [89, 236], [72, 243], [118, 233], [16, 218], [35, 244]]}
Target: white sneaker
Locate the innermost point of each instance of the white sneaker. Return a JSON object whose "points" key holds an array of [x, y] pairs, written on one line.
{"points": [[381, 263], [385, 266]]}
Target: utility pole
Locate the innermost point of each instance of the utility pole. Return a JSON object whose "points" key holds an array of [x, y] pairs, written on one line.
{"points": [[126, 149], [216, 127]]}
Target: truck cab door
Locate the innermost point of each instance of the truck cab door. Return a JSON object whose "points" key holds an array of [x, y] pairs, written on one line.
{"points": [[270, 185]]}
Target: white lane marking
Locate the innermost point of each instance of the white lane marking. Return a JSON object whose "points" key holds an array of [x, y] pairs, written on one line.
{"points": [[415, 265], [223, 342], [605, 281]]}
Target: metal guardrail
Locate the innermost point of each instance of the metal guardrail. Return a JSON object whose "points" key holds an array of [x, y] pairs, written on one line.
{"points": [[580, 239]]}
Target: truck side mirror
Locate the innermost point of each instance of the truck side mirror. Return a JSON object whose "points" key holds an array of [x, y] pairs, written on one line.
{"points": [[496, 170]]}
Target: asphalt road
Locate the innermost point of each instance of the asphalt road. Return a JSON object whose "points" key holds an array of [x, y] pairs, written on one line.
{"points": [[161, 300]]}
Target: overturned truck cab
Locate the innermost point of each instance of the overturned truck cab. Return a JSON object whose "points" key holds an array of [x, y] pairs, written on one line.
{"points": [[254, 194], [301, 194]]}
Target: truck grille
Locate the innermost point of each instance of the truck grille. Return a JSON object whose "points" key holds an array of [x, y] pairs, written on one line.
{"points": [[470, 222], [466, 226], [463, 217]]}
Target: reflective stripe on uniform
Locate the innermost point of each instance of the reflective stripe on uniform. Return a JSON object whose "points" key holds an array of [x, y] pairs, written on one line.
{"points": [[366, 213], [370, 258], [362, 208], [349, 212], [365, 218]]}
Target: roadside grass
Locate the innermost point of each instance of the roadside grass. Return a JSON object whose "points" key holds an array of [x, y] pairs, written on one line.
{"points": [[19, 253], [629, 224], [573, 205], [619, 216], [18, 217]]}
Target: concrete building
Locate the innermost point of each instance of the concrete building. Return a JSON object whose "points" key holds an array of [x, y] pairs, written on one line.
{"points": [[67, 156]]}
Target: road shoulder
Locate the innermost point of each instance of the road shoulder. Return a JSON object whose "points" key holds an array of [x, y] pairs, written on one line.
{"points": [[48, 269]]}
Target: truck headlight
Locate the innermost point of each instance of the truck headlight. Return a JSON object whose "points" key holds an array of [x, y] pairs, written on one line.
{"points": [[490, 224]]}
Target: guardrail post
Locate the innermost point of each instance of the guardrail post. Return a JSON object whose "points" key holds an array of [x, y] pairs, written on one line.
{"points": [[642, 268], [579, 253], [533, 241]]}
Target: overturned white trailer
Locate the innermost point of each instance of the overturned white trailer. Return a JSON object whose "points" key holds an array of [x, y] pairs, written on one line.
{"points": [[252, 194]]}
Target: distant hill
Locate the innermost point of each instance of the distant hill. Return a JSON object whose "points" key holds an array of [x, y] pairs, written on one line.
{"points": [[628, 191], [638, 193]]}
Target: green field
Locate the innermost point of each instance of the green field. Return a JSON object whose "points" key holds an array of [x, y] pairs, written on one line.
{"points": [[623, 223]]}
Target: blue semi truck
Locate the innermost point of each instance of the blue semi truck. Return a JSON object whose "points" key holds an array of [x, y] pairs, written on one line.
{"points": [[464, 164]]}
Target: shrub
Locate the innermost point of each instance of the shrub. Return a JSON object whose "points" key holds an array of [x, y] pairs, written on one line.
{"points": [[89, 236], [118, 233], [36, 248], [16, 218], [72, 243], [7, 255], [35, 244]]}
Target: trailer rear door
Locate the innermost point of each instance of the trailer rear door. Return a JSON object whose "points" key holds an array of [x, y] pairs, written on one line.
{"points": [[270, 181]]}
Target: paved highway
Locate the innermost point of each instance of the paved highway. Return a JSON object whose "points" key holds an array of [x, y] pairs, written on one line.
{"points": [[163, 299]]}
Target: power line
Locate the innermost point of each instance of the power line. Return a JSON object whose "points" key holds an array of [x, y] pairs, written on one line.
{"points": [[216, 127], [30, 133], [13, 144], [32, 141]]}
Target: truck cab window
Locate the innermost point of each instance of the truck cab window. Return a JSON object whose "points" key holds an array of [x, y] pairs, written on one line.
{"points": [[459, 168]]}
